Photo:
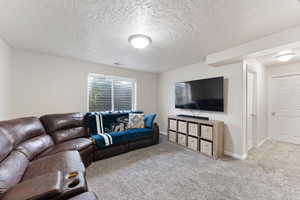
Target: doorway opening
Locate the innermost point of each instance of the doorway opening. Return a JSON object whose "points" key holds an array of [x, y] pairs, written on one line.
{"points": [[272, 97]]}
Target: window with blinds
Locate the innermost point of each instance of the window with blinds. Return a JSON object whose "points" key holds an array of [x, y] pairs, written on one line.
{"points": [[107, 93]]}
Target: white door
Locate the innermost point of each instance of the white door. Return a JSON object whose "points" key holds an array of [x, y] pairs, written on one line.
{"points": [[285, 108], [251, 109]]}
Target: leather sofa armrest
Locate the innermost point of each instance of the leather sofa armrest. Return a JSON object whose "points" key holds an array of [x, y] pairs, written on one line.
{"points": [[155, 133], [39, 188]]}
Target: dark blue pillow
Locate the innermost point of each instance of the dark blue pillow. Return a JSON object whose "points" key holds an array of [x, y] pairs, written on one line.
{"points": [[148, 120], [137, 112]]}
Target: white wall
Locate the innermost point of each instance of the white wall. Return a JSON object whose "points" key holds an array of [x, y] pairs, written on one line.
{"points": [[261, 100], [5, 80], [293, 68], [232, 116], [49, 84]]}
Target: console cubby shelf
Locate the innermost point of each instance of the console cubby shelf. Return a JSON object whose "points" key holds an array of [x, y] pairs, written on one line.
{"points": [[204, 136]]}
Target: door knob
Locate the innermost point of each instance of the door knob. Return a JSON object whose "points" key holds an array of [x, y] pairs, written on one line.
{"points": [[273, 113]]}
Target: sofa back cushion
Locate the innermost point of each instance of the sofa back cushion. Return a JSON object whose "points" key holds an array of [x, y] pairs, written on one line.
{"points": [[34, 146], [136, 121], [17, 131], [148, 120], [6, 145], [22, 129], [111, 121], [63, 127], [12, 169]]}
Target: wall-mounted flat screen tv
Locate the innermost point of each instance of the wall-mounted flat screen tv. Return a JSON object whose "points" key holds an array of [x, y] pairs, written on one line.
{"points": [[205, 94]]}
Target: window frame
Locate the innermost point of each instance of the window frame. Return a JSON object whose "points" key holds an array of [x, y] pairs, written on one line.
{"points": [[113, 78]]}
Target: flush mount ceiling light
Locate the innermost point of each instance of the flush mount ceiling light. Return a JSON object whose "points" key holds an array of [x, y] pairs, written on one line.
{"points": [[285, 56], [139, 41]]}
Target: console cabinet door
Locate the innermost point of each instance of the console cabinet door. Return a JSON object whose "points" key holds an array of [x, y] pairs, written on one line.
{"points": [[207, 132], [172, 136], [193, 143], [182, 127], [206, 147], [182, 139], [193, 129], [173, 124]]}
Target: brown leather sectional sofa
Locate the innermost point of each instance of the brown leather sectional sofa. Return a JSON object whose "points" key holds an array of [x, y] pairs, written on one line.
{"points": [[45, 158]]}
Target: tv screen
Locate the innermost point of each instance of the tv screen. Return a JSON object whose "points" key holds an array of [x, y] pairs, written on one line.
{"points": [[205, 94]]}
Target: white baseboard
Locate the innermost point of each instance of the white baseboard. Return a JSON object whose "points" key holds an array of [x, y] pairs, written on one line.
{"points": [[263, 141], [163, 133], [236, 156]]}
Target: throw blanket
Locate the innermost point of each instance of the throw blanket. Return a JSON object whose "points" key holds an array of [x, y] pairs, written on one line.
{"points": [[107, 139], [112, 122], [100, 131], [105, 128], [122, 136]]}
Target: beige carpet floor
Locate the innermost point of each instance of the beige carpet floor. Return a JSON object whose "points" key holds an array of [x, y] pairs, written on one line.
{"points": [[168, 172]]}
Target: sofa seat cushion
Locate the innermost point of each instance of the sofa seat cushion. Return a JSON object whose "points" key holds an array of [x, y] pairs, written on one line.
{"points": [[67, 161], [123, 136], [139, 132], [78, 144]]}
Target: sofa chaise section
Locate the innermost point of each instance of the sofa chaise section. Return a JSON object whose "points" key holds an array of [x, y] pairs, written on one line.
{"points": [[66, 162], [22, 143]]}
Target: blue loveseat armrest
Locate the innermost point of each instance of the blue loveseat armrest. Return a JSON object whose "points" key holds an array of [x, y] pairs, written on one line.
{"points": [[155, 133]]}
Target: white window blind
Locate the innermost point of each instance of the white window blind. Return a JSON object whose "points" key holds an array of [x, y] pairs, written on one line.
{"points": [[107, 93]]}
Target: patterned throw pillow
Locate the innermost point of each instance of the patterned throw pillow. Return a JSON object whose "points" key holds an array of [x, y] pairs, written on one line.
{"points": [[136, 121]]}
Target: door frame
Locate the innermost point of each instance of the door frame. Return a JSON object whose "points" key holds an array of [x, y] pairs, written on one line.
{"points": [[254, 130]]}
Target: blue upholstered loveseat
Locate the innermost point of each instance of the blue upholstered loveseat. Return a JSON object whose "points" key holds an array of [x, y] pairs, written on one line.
{"points": [[114, 125]]}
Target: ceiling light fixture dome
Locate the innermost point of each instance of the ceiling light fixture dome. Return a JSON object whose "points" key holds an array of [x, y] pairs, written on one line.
{"points": [[285, 56], [139, 41]]}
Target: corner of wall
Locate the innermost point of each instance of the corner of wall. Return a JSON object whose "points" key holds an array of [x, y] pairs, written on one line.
{"points": [[5, 80], [236, 156]]}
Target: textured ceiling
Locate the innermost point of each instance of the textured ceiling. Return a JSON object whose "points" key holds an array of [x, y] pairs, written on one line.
{"points": [[183, 31]]}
